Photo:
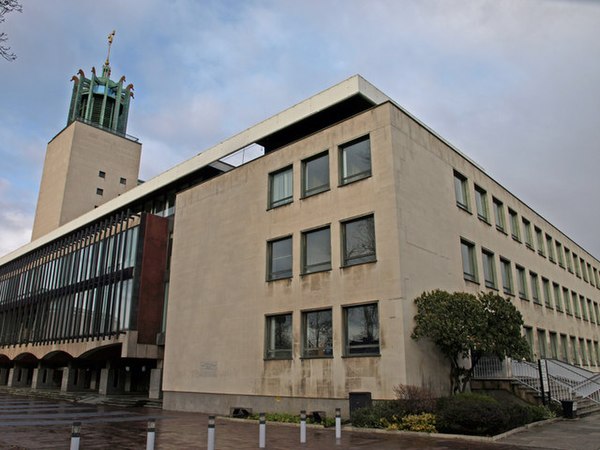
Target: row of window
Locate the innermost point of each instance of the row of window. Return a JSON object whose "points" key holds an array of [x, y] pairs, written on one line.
{"points": [[102, 174], [355, 164], [528, 285], [570, 349], [360, 333], [523, 231], [358, 247]]}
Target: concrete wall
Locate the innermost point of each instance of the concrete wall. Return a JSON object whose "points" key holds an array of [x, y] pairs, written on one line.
{"points": [[70, 178], [219, 297]]}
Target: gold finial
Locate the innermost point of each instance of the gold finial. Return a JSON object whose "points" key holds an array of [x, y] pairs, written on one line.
{"points": [[111, 36]]}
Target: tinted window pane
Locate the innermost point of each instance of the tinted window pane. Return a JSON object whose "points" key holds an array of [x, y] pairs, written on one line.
{"points": [[281, 188], [362, 330], [317, 251], [279, 336], [356, 160], [359, 241], [280, 259], [317, 333], [316, 175]]}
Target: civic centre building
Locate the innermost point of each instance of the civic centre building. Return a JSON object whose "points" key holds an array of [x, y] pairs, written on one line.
{"points": [[278, 283]]}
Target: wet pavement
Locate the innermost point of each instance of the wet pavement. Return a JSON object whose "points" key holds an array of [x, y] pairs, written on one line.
{"points": [[27, 423]]}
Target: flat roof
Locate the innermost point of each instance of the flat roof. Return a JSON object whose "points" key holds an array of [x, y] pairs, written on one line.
{"points": [[347, 89]]}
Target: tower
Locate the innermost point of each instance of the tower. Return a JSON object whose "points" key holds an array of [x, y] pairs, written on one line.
{"points": [[92, 160]]}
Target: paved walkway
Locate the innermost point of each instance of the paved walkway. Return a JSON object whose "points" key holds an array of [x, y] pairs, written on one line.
{"points": [[41, 424]]}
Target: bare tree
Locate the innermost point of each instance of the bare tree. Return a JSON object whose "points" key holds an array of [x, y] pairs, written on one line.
{"points": [[7, 6]]}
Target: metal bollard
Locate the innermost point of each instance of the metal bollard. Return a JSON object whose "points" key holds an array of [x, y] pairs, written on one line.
{"points": [[151, 435], [262, 431], [303, 427], [338, 423], [75, 434], [211, 433]]}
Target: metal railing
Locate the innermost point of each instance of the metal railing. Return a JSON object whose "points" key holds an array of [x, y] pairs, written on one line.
{"points": [[565, 382]]}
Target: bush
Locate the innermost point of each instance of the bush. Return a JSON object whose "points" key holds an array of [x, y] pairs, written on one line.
{"points": [[423, 423], [519, 415], [377, 415], [474, 414], [415, 399]]}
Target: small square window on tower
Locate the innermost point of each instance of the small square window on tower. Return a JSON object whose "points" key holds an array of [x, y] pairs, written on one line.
{"points": [[102, 174], [123, 181], [99, 191]]}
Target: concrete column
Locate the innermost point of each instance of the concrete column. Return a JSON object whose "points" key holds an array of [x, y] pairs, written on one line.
{"points": [[72, 379], [17, 377], [4, 376], [155, 390]]}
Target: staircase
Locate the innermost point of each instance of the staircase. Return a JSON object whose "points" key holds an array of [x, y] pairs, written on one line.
{"points": [[565, 381]]}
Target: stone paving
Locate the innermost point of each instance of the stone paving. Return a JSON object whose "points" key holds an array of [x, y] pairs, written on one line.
{"points": [[42, 424]]}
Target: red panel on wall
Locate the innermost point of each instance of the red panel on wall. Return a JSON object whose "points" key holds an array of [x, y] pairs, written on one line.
{"points": [[152, 278]]}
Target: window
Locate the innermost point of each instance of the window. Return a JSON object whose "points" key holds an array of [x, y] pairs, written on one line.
{"points": [[583, 270], [557, 298], [597, 278], [584, 359], [515, 230], [547, 292], [541, 338], [569, 260], [527, 236], [99, 191], [590, 309], [529, 338], [567, 300], [316, 250], [574, 355], [553, 345], [123, 181], [559, 254], [597, 311], [499, 215], [461, 191], [507, 281], [535, 288], [315, 174], [280, 259], [540, 241], [576, 311], [101, 174], [576, 264], [280, 187], [482, 204], [522, 282], [361, 330], [584, 314], [355, 157], [468, 260], [564, 348], [550, 247], [358, 241], [279, 337], [317, 339], [591, 274], [489, 269]]}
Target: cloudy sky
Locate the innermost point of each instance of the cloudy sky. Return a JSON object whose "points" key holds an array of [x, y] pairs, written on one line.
{"points": [[514, 84]]}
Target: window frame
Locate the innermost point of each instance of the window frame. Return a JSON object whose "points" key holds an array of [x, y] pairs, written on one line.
{"points": [[470, 250], [461, 189], [347, 352], [325, 266], [345, 179], [272, 204], [305, 351], [490, 278], [535, 287], [527, 235], [270, 260], [558, 304], [522, 289], [515, 226], [268, 333], [309, 192], [481, 204], [499, 216], [506, 272], [547, 292], [550, 248], [539, 236], [361, 259]]}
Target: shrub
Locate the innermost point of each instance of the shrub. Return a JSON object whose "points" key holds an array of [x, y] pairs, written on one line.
{"points": [[471, 414], [415, 399], [377, 415], [423, 423]]}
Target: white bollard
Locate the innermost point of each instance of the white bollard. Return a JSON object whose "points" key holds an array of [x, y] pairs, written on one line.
{"points": [[338, 423], [262, 431], [75, 435], [303, 427], [151, 435], [211, 433]]}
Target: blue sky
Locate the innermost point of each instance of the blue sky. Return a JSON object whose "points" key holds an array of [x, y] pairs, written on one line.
{"points": [[514, 84]]}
